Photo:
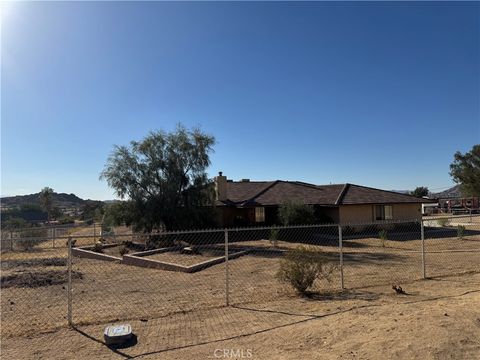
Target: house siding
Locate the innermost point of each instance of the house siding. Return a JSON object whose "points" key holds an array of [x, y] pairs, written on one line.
{"points": [[357, 214]]}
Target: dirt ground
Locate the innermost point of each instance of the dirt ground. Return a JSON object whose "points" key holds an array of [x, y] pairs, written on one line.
{"points": [[106, 291], [183, 316], [439, 319]]}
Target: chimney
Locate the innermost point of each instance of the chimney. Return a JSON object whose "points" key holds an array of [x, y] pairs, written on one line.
{"points": [[221, 187]]}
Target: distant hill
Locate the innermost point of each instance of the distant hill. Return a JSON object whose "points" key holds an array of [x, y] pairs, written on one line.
{"points": [[61, 200], [453, 192]]}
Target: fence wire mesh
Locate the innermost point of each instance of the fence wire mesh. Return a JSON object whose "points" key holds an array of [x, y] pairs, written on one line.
{"points": [[185, 288], [452, 245], [376, 254]]}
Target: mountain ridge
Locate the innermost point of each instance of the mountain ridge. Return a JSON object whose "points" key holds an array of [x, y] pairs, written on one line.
{"points": [[63, 200]]}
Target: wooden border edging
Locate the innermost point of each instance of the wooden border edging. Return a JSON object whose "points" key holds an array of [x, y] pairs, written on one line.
{"points": [[156, 251], [156, 264], [88, 254]]}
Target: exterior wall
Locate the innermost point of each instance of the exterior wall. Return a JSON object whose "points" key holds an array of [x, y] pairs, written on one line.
{"points": [[345, 214], [357, 214], [232, 217], [407, 212], [331, 212]]}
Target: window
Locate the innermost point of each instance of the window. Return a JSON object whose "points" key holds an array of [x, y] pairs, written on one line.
{"points": [[259, 214], [383, 212]]}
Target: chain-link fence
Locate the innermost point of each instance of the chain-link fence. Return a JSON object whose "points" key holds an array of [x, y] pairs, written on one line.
{"points": [[185, 288], [24, 239]]}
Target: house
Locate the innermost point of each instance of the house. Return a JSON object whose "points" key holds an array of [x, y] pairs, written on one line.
{"points": [[245, 202]]}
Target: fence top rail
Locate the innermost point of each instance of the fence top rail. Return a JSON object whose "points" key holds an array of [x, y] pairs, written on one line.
{"points": [[219, 230], [382, 222], [449, 216], [50, 227]]}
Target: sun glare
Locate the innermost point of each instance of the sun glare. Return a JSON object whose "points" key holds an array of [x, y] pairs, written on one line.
{"points": [[6, 8]]}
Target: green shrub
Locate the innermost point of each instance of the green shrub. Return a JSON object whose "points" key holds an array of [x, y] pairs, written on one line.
{"points": [[442, 222], [296, 213], [274, 237], [302, 266], [382, 234], [66, 220], [460, 231], [156, 241]]}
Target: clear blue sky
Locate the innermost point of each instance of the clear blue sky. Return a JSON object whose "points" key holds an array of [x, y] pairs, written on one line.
{"points": [[379, 94]]}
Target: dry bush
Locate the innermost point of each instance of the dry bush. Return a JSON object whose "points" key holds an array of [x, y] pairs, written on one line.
{"points": [[98, 247], [302, 266], [443, 222]]}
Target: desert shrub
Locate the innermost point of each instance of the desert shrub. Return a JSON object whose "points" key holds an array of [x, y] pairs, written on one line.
{"points": [[31, 237], [460, 231], [98, 247], [123, 250], [26, 244], [442, 222], [64, 220], [274, 237], [13, 223], [156, 241], [382, 234], [302, 266]]}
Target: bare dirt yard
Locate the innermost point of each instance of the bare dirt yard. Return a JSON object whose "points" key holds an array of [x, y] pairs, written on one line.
{"points": [[439, 319], [183, 315]]}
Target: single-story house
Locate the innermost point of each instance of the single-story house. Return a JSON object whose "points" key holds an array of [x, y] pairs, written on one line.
{"points": [[245, 202]]}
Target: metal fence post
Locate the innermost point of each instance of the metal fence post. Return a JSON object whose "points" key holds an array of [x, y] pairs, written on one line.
{"points": [[69, 288], [340, 246], [227, 289], [11, 240], [53, 236], [422, 234], [94, 232]]}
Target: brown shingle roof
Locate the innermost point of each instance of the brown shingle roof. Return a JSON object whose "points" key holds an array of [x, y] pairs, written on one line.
{"points": [[356, 194], [277, 192]]}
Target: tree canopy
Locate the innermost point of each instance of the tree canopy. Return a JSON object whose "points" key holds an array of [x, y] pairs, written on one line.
{"points": [[465, 170], [296, 213], [420, 191], [163, 180], [45, 198]]}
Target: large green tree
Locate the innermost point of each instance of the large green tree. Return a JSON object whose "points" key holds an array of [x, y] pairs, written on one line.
{"points": [[46, 201], [163, 180], [420, 191], [465, 170]]}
